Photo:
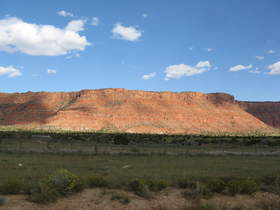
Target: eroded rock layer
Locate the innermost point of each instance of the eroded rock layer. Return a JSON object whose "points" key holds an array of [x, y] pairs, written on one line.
{"points": [[137, 111]]}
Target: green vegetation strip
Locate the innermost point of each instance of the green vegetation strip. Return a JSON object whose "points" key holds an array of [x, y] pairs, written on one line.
{"points": [[120, 168], [128, 138]]}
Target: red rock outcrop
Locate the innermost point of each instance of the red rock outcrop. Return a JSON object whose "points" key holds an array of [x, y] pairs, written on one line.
{"points": [[137, 111], [268, 112]]}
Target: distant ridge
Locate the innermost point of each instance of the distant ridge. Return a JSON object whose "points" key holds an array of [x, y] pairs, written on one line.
{"points": [[122, 110]]}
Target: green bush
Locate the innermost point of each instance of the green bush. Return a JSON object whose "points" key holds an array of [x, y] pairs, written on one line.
{"points": [[201, 190], [156, 186], [3, 200], [249, 186], [139, 188], [246, 186], [12, 186], [97, 181], [216, 185], [185, 183], [64, 182], [271, 184], [43, 193], [121, 197]]}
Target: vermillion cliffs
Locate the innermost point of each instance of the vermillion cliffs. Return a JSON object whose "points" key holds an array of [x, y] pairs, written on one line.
{"points": [[124, 110]]}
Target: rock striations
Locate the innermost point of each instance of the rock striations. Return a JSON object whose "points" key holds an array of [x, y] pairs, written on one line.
{"points": [[121, 110]]}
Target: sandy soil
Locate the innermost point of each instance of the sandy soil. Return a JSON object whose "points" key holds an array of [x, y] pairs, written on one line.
{"points": [[169, 199]]}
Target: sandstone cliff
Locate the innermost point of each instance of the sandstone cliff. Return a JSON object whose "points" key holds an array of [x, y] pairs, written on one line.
{"points": [[137, 111]]}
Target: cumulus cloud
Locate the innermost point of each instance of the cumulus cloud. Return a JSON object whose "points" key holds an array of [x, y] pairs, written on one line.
{"points": [[260, 57], [240, 68], [51, 71], [10, 71], [274, 68], [94, 21], [41, 40], [65, 14], [129, 33], [180, 70], [270, 51], [75, 26], [149, 76]]}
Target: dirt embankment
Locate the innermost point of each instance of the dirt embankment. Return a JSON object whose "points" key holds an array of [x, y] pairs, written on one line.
{"points": [[167, 199], [137, 111]]}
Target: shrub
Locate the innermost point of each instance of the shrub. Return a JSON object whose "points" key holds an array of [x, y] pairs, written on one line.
{"points": [[43, 193], [234, 187], [201, 190], [246, 186], [64, 182], [121, 197], [216, 185], [269, 180], [249, 186], [185, 183], [3, 200], [12, 186], [156, 186], [139, 188], [272, 184], [97, 181]]}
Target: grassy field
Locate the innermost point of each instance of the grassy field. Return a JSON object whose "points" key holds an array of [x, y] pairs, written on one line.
{"points": [[120, 168], [199, 166]]}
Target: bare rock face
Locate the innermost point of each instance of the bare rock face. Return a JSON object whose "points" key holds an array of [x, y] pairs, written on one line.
{"points": [[268, 112], [122, 110]]}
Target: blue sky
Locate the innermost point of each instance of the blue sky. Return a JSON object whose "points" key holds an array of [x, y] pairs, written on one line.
{"points": [[195, 45]]}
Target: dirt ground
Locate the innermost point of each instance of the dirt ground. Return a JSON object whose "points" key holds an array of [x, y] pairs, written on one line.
{"points": [[169, 199]]}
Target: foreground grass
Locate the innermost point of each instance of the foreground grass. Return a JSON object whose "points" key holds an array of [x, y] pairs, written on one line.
{"points": [[120, 168]]}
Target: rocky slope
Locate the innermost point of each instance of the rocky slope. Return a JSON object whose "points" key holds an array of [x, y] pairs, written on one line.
{"points": [[137, 111]]}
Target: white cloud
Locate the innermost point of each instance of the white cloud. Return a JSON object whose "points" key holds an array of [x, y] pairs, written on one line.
{"points": [[260, 57], [203, 64], [41, 40], [256, 71], [94, 21], [145, 15], [209, 49], [10, 71], [180, 70], [76, 55], [129, 33], [149, 76], [51, 71], [274, 68], [65, 14], [75, 26], [270, 51], [240, 68]]}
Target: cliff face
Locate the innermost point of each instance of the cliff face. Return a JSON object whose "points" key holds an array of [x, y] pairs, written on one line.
{"points": [[268, 112], [137, 111]]}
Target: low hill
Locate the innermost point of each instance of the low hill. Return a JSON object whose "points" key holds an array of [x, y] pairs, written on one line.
{"points": [[121, 110]]}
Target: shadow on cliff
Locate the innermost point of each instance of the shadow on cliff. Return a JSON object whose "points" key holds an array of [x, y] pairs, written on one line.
{"points": [[31, 110], [267, 112]]}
